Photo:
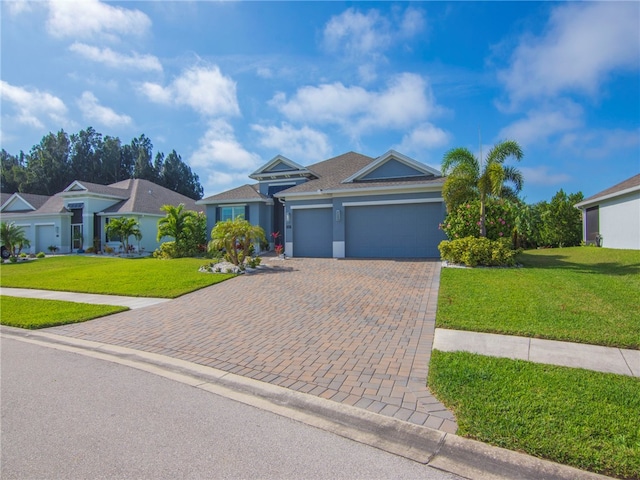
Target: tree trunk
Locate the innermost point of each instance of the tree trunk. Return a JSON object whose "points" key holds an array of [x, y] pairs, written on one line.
{"points": [[483, 228]]}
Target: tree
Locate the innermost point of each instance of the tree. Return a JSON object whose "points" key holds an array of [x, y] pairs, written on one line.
{"points": [[124, 227], [12, 171], [85, 159], [176, 175], [13, 237], [142, 154], [48, 169], [235, 237], [561, 221], [469, 179], [185, 226]]}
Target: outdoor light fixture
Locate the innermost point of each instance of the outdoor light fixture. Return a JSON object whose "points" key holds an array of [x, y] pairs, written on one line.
{"points": [[337, 215], [288, 217]]}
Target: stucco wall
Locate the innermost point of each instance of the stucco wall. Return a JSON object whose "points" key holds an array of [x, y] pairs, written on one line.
{"points": [[620, 222]]}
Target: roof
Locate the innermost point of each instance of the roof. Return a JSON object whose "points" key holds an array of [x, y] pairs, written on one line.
{"points": [[627, 186], [138, 196], [147, 197], [333, 172], [32, 199], [244, 193]]}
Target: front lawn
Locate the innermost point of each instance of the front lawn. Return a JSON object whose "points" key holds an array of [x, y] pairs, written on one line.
{"points": [[585, 419], [35, 313], [579, 294], [141, 277]]}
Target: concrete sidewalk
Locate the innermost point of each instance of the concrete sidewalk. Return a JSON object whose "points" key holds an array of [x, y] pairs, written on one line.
{"points": [[131, 302], [567, 354]]}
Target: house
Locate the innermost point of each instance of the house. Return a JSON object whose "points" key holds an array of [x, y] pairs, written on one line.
{"points": [[76, 217], [351, 205], [614, 215]]}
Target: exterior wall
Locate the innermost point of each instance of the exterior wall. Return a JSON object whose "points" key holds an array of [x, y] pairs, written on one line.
{"points": [[289, 182], [258, 214], [60, 223], [91, 205], [620, 222], [148, 228]]}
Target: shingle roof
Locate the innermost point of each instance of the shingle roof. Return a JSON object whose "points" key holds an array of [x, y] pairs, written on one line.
{"points": [[625, 185], [120, 189], [147, 197], [36, 201], [242, 193], [332, 172], [53, 204]]}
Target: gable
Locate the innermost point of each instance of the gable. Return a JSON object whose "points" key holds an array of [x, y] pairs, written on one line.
{"points": [[17, 204], [281, 167], [392, 169], [393, 166]]}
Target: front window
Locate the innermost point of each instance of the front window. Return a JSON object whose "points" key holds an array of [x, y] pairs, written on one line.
{"points": [[231, 213]]}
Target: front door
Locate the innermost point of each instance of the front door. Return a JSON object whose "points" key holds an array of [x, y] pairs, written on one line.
{"points": [[76, 236]]}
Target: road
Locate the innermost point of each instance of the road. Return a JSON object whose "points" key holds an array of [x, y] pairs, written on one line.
{"points": [[68, 416]]}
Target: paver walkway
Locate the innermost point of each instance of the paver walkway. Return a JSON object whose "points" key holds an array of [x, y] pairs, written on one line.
{"points": [[353, 331]]}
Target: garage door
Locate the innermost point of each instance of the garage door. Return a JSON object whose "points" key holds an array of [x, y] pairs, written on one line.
{"points": [[313, 232], [393, 231], [45, 236]]}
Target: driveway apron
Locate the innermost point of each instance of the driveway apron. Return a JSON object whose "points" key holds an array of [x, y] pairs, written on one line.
{"points": [[358, 332]]}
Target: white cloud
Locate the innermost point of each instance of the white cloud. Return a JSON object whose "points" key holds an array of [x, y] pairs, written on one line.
{"points": [[407, 99], [92, 18], [545, 122], [220, 148], [301, 145], [205, 89], [113, 59], [94, 112], [601, 143], [356, 34], [33, 106], [424, 137], [17, 7], [540, 175], [583, 43]]}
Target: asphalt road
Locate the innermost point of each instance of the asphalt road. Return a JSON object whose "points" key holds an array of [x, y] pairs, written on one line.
{"points": [[68, 416]]}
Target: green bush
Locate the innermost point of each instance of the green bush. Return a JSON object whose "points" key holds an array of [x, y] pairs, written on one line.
{"points": [[464, 221], [13, 259], [23, 255], [473, 251], [166, 250], [40, 255]]}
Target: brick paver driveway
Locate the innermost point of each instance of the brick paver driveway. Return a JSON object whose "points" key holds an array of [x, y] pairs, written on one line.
{"points": [[353, 331]]}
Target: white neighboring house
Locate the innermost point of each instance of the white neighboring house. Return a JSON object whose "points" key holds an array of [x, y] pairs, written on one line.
{"points": [[614, 215], [76, 217]]}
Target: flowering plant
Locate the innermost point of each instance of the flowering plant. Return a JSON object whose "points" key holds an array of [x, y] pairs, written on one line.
{"points": [[279, 249], [464, 221]]}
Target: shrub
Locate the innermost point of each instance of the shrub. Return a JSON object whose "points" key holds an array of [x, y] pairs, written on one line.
{"points": [[473, 251], [23, 255], [13, 259], [464, 221], [166, 250], [53, 248], [91, 250], [40, 255], [253, 262], [108, 249]]}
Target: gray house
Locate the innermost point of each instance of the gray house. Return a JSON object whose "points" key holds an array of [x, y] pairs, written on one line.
{"points": [[351, 206], [76, 217], [614, 215]]}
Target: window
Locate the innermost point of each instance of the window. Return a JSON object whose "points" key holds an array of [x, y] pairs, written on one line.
{"points": [[231, 213]]}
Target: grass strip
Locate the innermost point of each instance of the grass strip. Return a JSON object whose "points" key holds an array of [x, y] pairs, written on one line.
{"points": [[585, 419], [582, 294], [135, 277], [34, 313]]}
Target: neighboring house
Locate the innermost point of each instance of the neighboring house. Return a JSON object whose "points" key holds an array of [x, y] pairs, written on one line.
{"points": [[76, 217], [348, 206], [614, 214]]}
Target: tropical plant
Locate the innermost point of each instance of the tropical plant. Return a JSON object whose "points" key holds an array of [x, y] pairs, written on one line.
{"points": [[464, 221], [124, 227], [13, 237], [236, 238], [469, 178], [187, 227]]}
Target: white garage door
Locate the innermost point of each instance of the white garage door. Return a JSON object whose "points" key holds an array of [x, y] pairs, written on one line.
{"points": [[45, 236]]}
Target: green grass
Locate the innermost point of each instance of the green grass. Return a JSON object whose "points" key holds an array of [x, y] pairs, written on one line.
{"points": [[588, 420], [143, 277], [35, 313], [581, 294]]}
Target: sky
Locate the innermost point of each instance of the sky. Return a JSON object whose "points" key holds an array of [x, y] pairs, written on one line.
{"points": [[230, 85]]}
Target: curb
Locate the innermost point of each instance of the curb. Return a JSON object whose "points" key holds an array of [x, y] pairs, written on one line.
{"points": [[444, 451]]}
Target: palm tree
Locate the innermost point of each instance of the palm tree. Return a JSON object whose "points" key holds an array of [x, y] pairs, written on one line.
{"points": [[469, 179], [178, 222], [13, 237], [235, 237], [124, 228]]}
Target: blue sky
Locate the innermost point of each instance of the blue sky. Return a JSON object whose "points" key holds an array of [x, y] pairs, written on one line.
{"points": [[229, 85]]}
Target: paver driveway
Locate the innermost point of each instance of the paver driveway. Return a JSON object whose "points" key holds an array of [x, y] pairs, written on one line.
{"points": [[353, 331]]}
